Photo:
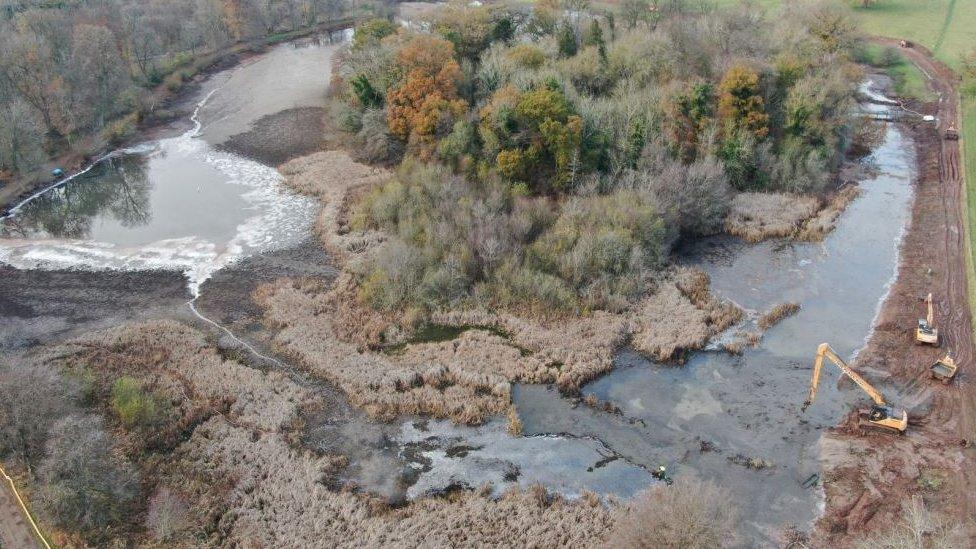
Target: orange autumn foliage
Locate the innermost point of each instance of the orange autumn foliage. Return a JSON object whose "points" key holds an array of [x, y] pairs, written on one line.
{"points": [[427, 95], [740, 102]]}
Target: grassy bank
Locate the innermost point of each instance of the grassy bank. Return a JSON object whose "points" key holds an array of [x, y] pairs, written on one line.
{"points": [[908, 81], [969, 169]]}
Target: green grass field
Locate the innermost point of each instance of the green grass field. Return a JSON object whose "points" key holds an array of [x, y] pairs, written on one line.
{"points": [[908, 79]]}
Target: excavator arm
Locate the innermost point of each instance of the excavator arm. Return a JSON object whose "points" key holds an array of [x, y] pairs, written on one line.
{"points": [[930, 317], [824, 351]]}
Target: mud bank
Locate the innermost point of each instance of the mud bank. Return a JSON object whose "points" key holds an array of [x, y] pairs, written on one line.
{"points": [[38, 307], [870, 477], [278, 138]]}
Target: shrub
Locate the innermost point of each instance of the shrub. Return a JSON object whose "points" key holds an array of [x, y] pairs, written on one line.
{"points": [[85, 487], [120, 130], [167, 516], [133, 406], [32, 399], [372, 31], [374, 144], [691, 514], [527, 55], [601, 246]]}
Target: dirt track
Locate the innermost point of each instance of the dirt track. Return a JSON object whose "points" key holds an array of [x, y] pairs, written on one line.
{"points": [[867, 478], [15, 531]]}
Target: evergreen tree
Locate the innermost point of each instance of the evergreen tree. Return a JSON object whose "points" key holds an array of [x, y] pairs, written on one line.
{"points": [[594, 37], [567, 41]]}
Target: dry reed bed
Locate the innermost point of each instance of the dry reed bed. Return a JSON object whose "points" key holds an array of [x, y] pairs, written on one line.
{"points": [[681, 315], [776, 314], [816, 228], [382, 385], [335, 179], [759, 216], [279, 499], [329, 332], [175, 360], [251, 488]]}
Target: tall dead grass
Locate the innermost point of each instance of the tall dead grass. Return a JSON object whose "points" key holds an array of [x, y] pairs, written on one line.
{"points": [[336, 180], [777, 313], [278, 499], [759, 216], [436, 380], [817, 227], [251, 488], [174, 360], [681, 315]]}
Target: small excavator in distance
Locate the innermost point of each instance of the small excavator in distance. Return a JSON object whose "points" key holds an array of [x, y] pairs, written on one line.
{"points": [[880, 416], [926, 332]]}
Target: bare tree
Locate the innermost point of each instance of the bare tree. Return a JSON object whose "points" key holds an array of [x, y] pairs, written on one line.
{"points": [[32, 398], [167, 515], [84, 485], [99, 74], [691, 514]]}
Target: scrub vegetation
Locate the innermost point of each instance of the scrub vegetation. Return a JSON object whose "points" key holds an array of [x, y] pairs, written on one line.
{"points": [[549, 162]]}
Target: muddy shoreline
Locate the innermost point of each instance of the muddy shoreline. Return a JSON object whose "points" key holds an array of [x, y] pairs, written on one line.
{"points": [[180, 104], [861, 496]]}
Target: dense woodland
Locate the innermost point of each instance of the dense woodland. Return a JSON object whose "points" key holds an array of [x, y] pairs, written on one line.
{"points": [[73, 69], [552, 156]]}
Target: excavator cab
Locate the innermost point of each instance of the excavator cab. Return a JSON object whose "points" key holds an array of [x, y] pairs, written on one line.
{"points": [[881, 416], [884, 418]]}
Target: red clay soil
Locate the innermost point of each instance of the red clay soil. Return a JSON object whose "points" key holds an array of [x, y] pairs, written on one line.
{"points": [[867, 477]]}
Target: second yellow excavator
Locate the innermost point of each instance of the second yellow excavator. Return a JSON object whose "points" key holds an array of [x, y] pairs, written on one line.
{"points": [[926, 332], [880, 416]]}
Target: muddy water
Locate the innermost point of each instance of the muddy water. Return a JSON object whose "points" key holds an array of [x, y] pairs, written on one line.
{"points": [[181, 203], [712, 416]]}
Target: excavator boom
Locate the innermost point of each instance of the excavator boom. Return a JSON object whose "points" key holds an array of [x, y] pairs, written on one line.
{"points": [[926, 332], [823, 351], [881, 415], [930, 317]]}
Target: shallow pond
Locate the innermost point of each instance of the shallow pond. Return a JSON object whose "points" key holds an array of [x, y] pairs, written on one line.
{"points": [[737, 419], [733, 419], [181, 202]]}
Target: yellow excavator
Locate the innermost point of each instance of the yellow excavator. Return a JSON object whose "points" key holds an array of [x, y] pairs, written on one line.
{"points": [[880, 416], [926, 332]]}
